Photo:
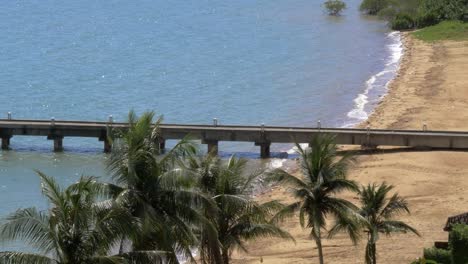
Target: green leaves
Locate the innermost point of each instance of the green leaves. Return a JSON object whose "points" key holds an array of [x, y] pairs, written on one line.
{"points": [[9, 257], [31, 225], [379, 211], [323, 177], [334, 7], [237, 217], [156, 187], [78, 229]]}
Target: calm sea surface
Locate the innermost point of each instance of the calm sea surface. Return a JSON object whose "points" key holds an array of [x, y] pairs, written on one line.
{"points": [[243, 61]]}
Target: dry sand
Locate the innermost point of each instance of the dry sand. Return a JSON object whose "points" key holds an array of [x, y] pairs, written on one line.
{"points": [[431, 87]]}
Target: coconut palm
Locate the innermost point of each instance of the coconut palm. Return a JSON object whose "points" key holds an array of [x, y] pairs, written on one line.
{"points": [[238, 217], [155, 188], [75, 229], [379, 211], [323, 176]]}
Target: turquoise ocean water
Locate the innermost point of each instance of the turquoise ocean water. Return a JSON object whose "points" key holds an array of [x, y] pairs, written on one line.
{"points": [[243, 62]]}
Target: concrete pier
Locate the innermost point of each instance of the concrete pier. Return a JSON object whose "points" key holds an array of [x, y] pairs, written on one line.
{"points": [[212, 146], [107, 146], [264, 149], [6, 142], [58, 142], [162, 144], [262, 136]]}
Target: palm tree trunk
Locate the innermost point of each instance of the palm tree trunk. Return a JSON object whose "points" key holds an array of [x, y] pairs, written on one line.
{"points": [[121, 246], [374, 253], [318, 241], [225, 256], [371, 253], [368, 253]]}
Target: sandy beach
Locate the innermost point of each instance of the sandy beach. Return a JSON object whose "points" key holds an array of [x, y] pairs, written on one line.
{"points": [[431, 87]]}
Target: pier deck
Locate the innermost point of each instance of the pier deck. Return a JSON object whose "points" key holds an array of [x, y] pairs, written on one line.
{"points": [[262, 136]]}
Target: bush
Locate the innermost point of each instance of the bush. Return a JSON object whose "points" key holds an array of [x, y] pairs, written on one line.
{"points": [[426, 20], [441, 256], [372, 7], [458, 242], [445, 9], [424, 261], [402, 22], [422, 13], [335, 7], [465, 14]]}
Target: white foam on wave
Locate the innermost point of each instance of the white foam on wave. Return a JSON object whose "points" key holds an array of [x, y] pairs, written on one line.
{"points": [[359, 113], [276, 163]]}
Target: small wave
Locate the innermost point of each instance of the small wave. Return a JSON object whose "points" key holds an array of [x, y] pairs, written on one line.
{"points": [[380, 81], [276, 163]]}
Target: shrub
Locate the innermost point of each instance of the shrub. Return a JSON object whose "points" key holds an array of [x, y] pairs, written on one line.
{"points": [[423, 261], [464, 17], [445, 9], [426, 20], [335, 7], [441, 256], [402, 22], [372, 7], [458, 242]]}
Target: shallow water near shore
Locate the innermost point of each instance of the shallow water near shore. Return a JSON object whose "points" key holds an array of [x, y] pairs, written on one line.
{"points": [[244, 62]]}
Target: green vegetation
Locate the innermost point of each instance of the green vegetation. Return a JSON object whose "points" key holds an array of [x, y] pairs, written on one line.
{"points": [[441, 256], [76, 229], [161, 206], [424, 261], [238, 217], [458, 243], [379, 211], [154, 189], [334, 7], [410, 14], [324, 176], [447, 30], [456, 252]]}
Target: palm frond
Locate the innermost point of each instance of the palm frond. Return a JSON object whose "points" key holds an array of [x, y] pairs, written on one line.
{"points": [[391, 226], [11, 257], [146, 256], [51, 189], [281, 176], [28, 225], [395, 205], [349, 222], [286, 212]]}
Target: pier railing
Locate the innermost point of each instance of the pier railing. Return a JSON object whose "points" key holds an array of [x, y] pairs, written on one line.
{"points": [[262, 136]]}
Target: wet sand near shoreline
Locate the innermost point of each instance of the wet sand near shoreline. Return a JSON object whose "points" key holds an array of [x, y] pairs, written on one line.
{"points": [[432, 88]]}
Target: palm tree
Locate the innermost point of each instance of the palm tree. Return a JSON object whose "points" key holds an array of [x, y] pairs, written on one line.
{"points": [[323, 176], [76, 229], [379, 211], [238, 217], [155, 188]]}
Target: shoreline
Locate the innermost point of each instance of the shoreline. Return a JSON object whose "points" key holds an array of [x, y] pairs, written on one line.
{"points": [[430, 87], [375, 90], [406, 42]]}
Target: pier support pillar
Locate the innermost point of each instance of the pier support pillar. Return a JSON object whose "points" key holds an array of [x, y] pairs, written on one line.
{"points": [[107, 141], [6, 142], [58, 142], [212, 146], [107, 146], [264, 149], [162, 145]]}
